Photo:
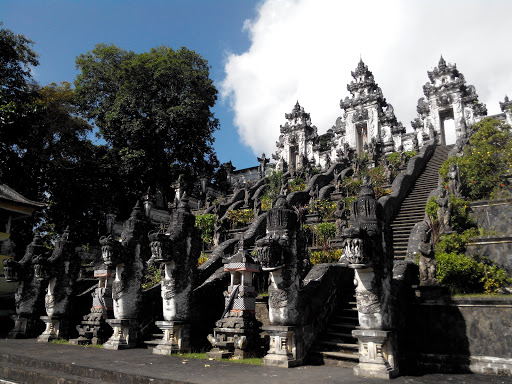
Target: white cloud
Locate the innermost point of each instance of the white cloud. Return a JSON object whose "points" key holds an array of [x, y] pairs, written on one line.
{"points": [[305, 50]]}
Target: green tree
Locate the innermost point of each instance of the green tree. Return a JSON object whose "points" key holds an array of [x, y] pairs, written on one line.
{"points": [[154, 111], [486, 161]]}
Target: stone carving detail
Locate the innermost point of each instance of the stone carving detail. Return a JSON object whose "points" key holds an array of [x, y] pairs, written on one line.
{"points": [[443, 212], [454, 182], [176, 249], [29, 296], [127, 257], [282, 253], [60, 270], [427, 256]]}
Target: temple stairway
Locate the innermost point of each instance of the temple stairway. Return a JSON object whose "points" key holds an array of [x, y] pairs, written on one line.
{"points": [[336, 345], [412, 210]]}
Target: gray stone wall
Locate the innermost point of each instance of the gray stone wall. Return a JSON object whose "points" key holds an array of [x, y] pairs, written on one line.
{"points": [[461, 334], [494, 216]]}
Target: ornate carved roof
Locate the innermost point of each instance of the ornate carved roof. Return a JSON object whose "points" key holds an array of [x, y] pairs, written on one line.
{"points": [[9, 194], [298, 118], [364, 90], [446, 79]]}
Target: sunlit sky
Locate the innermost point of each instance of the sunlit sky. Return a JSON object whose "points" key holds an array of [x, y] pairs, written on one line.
{"points": [[266, 55]]}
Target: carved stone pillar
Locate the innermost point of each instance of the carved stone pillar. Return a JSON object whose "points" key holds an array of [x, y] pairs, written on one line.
{"points": [[373, 272]]}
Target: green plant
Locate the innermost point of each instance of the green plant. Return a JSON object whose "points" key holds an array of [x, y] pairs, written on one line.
{"points": [[351, 186], [273, 190], [431, 208], [463, 274], [297, 184], [325, 208], [239, 217], [456, 242], [486, 162], [151, 277], [206, 225], [202, 258], [329, 256], [324, 233]]}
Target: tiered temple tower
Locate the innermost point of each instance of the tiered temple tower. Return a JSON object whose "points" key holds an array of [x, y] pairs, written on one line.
{"points": [[368, 117], [447, 98]]}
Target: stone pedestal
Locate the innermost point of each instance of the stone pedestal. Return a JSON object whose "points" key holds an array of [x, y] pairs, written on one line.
{"points": [[56, 328], [25, 327], [376, 354], [233, 342], [176, 338], [124, 336], [286, 349]]}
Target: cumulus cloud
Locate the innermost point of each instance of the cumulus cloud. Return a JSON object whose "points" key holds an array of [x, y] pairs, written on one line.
{"points": [[305, 50]]}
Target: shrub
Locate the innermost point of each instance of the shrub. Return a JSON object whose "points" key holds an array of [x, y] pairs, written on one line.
{"points": [[330, 256], [152, 276], [240, 217], [463, 274], [324, 233], [486, 162], [351, 186], [202, 258], [456, 242], [325, 208], [206, 225], [297, 184]]}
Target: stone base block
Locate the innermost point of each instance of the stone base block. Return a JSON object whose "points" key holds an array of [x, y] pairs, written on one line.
{"points": [[176, 338], [218, 354], [80, 341], [25, 327], [286, 349], [124, 336], [376, 354], [56, 328]]}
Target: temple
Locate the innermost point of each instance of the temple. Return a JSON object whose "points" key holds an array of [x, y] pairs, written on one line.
{"points": [[324, 256]]}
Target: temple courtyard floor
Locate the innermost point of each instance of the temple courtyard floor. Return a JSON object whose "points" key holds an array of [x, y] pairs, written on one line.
{"points": [[27, 361]]}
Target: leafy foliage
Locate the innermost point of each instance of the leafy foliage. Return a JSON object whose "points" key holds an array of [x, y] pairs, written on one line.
{"points": [[486, 162], [329, 256], [154, 111], [273, 190], [240, 217], [206, 225], [297, 184], [152, 276], [325, 208], [463, 274]]}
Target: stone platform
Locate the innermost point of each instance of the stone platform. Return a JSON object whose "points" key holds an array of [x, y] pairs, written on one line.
{"points": [[26, 361]]}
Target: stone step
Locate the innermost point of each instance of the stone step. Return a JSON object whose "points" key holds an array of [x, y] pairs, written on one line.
{"points": [[339, 355], [24, 374], [335, 335], [334, 344]]}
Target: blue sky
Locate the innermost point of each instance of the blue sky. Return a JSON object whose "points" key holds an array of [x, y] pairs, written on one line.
{"points": [[267, 54], [63, 29]]}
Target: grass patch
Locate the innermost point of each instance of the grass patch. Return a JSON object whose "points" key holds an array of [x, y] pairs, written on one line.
{"points": [[59, 341], [202, 356]]}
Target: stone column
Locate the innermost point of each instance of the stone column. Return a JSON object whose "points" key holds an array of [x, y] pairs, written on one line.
{"points": [[364, 253]]}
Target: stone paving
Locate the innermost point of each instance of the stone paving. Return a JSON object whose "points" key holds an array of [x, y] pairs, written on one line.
{"points": [[141, 366]]}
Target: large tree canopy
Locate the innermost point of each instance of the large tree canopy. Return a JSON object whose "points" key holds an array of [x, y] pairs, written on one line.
{"points": [[153, 109]]}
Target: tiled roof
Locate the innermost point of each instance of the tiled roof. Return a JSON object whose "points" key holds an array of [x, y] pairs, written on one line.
{"points": [[7, 193]]}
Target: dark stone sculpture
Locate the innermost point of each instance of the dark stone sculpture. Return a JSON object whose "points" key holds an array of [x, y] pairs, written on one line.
{"points": [[427, 256], [263, 163], [341, 218], [454, 182], [177, 249], [282, 252], [127, 256], [443, 212], [60, 270], [29, 295]]}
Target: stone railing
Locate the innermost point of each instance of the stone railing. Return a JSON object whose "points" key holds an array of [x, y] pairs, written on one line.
{"points": [[391, 203], [321, 180]]}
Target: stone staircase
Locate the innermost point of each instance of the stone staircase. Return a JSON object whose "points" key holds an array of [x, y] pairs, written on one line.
{"points": [[413, 206], [336, 346]]}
